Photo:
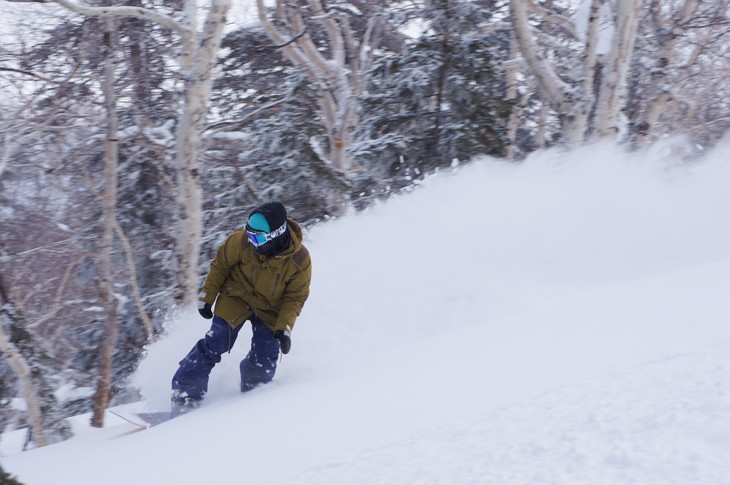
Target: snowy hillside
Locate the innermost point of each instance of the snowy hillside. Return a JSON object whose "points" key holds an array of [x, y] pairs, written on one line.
{"points": [[565, 321]]}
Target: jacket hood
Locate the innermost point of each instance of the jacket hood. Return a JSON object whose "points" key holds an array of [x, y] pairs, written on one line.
{"points": [[295, 234]]}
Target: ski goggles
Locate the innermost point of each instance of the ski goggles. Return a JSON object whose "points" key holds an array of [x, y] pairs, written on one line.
{"points": [[259, 238]]}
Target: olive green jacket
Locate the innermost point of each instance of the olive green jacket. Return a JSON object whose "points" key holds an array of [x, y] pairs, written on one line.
{"points": [[246, 283]]}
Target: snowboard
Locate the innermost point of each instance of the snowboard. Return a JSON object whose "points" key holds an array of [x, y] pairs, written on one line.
{"points": [[143, 420]]}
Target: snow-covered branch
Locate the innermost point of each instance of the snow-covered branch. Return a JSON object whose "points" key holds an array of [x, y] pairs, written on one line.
{"points": [[245, 119], [512, 63], [26, 73], [560, 20], [339, 77], [136, 12], [494, 27], [557, 89]]}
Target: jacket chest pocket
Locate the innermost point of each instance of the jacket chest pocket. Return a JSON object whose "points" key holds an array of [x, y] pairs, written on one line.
{"points": [[276, 290], [270, 286]]}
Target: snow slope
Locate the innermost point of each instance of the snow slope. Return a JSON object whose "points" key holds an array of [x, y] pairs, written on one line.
{"points": [[564, 321]]}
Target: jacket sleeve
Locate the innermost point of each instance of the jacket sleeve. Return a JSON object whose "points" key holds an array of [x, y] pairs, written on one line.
{"points": [[229, 254], [296, 293]]}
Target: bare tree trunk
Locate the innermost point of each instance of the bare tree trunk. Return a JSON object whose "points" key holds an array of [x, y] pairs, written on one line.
{"points": [[103, 390], [541, 135], [512, 95], [651, 114], [612, 92], [133, 281], [556, 90], [26, 359], [649, 118], [590, 62], [22, 371], [198, 63], [571, 105]]}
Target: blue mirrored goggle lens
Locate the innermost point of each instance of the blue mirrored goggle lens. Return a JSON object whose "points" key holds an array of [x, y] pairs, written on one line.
{"points": [[257, 238]]}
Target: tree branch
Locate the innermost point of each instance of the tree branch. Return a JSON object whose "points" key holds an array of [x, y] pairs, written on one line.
{"points": [[133, 281], [557, 19], [293, 39], [27, 73], [555, 88], [106, 12], [223, 124]]}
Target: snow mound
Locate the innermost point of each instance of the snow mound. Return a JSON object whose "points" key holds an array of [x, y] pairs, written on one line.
{"points": [[561, 321]]}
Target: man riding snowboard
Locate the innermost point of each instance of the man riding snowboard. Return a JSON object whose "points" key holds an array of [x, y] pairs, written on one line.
{"points": [[260, 274]]}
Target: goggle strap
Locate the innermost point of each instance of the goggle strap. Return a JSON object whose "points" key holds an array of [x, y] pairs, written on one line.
{"points": [[279, 231]]}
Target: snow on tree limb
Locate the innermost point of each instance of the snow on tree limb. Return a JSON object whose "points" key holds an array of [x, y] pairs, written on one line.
{"points": [[105, 12], [555, 18], [245, 119], [289, 45], [27, 73], [557, 89], [337, 79]]}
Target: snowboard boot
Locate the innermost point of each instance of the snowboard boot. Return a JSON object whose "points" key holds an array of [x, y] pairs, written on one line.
{"points": [[182, 403]]}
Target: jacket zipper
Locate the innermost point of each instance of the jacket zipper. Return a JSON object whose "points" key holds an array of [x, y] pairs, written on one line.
{"points": [[276, 283]]}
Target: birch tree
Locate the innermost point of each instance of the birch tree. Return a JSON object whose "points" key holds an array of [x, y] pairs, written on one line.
{"points": [[197, 58], [612, 90], [198, 61], [574, 97], [340, 78], [29, 363], [512, 94], [106, 283], [684, 85], [23, 373]]}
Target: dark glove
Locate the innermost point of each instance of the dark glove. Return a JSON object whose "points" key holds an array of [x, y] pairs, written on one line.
{"points": [[284, 340], [205, 310]]}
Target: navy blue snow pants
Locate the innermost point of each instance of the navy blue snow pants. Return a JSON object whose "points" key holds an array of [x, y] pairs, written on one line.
{"points": [[258, 367]]}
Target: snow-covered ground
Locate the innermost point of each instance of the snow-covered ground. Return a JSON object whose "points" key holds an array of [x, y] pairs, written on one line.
{"points": [[564, 321]]}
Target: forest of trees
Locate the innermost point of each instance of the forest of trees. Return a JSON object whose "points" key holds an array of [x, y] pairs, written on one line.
{"points": [[136, 134]]}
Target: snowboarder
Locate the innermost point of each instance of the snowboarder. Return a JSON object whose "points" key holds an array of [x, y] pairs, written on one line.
{"points": [[260, 274]]}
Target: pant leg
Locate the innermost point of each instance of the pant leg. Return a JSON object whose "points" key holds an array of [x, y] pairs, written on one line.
{"points": [[259, 366], [192, 375]]}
